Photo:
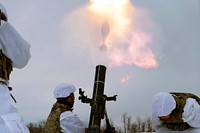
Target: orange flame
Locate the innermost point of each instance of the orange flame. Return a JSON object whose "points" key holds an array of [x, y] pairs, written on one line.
{"points": [[121, 29], [123, 43]]}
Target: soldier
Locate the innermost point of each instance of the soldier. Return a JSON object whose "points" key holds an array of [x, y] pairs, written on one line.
{"points": [[61, 118], [175, 111], [14, 52]]}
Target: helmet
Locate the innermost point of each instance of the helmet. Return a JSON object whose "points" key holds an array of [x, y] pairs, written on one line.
{"points": [[163, 104], [64, 90]]}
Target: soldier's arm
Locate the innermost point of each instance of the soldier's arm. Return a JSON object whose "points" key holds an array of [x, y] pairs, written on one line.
{"points": [[69, 122], [191, 113]]}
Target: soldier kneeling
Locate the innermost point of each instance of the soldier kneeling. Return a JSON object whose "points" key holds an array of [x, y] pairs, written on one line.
{"points": [[176, 111]]}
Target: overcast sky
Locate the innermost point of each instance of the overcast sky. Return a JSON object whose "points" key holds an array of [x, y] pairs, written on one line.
{"points": [[61, 52]]}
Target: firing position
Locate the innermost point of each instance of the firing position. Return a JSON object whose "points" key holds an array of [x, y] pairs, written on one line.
{"points": [[176, 112], [61, 118], [14, 52]]}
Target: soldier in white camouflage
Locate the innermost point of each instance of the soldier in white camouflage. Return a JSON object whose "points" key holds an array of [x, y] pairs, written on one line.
{"points": [[176, 111], [14, 53], [61, 118]]}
